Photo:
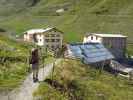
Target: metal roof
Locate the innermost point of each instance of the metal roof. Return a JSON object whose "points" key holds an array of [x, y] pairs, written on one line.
{"points": [[90, 52], [119, 67], [33, 31], [108, 35]]}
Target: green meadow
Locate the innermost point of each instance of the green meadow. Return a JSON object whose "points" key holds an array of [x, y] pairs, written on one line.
{"points": [[78, 18]]}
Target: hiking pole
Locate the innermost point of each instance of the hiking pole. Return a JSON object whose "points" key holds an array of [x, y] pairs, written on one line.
{"points": [[53, 67], [43, 61], [41, 58], [53, 72], [28, 62]]}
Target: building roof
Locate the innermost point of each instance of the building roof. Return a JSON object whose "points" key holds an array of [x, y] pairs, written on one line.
{"points": [[127, 70], [108, 35], [120, 67], [90, 52], [33, 31]]}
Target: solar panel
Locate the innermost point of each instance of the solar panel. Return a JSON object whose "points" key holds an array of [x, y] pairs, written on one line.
{"points": [[90, 52], [99, 46], [76, 51], [92, 55], [88, 47]]}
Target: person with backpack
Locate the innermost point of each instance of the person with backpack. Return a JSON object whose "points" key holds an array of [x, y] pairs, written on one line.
{"points": [[34, 61]]}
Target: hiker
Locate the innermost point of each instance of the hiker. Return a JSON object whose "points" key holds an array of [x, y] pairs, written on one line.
{"points": [[34, 61]]}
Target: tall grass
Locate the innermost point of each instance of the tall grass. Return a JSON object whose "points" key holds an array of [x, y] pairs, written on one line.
{"points": [[82, 82], [13, 65]]}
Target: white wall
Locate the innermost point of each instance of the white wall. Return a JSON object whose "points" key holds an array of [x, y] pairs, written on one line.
{"points": [[40, 39], [95, 39], [26, 37]]}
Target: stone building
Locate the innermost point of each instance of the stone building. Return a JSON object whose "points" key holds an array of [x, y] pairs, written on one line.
{"points": [[51, 38], [116, 43]]}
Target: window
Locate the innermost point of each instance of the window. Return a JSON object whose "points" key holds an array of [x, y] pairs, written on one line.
{"points": [[47, 40], [52, 35], [57, 35], [96, 38], [57, 40], [53, 40], [47, 35], [35, 37], [91, 37], [52, 47]]}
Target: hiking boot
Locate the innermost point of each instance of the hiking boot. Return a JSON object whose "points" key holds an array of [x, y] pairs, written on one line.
{"points": [[34, 80], [37, 80]]}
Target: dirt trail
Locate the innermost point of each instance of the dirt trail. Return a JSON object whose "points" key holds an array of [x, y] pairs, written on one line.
{"points": [[28, 87]]}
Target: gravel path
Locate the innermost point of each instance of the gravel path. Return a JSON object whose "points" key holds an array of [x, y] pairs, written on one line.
{"points": [[28, 87]]}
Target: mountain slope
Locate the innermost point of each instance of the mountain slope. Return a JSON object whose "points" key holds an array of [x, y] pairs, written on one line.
{"points": [[80, 16], [9, 7]]}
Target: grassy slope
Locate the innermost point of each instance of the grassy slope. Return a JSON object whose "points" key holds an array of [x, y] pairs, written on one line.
{"points": [[10, 7], [81, 16], [109, 16], [13, 69], [84, 83]]}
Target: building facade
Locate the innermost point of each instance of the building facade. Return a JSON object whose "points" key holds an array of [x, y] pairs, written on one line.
{"points": [[116, 43], [51, 38]]}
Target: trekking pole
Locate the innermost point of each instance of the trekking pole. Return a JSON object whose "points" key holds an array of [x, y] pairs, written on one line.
{"points": [[28, 62], [43, 59], [53, 72], [53, 68]]}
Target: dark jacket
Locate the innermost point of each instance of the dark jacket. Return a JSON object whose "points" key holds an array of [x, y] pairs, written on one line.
{"points": [[34, 57]]}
